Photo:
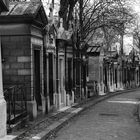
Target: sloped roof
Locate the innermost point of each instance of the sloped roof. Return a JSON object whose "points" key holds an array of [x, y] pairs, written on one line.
{"points": [[94, 49], [24, 9]]}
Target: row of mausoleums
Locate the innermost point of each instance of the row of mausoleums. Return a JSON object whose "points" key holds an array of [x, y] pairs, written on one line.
{"points": [[110, 72], [39, 56]]}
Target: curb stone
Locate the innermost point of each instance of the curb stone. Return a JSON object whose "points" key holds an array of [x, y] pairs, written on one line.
{"points": [[56, 126], [138, 111]]}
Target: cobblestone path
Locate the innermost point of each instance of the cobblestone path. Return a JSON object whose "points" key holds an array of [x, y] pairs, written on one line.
{"points": [[112, 119]]}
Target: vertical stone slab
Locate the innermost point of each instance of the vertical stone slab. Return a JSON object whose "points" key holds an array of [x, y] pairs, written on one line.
{"points": [[109, 82], [47, 79], [64, 91], [101, 73], [72, 97], [54, 73], [115, 86], [43, 104], [118, 79], [67, 100], [101, 84], [3, 115], [121, 79], [138, 76], [62, 77], [59, 101], [32, 109], [48, 102]]}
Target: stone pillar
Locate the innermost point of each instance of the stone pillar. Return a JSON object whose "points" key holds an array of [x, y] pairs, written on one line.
{"points": [[114, 78], [68, 100], [86, 92], [138, 77], [107, 78], [47, 78], [109, 81], [130, 78], [135, 78], [32, 109], [54, 73], [57, 97], [54, 82], [62, 78], [101, 84], [118, 78], [101, 73], [121, 79], [3, 116], [74, 75], [125, 77]]}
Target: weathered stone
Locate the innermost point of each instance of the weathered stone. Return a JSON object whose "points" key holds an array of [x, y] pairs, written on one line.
{"points": [[3, 117], [11, 59], [10, 71], [17, 65], [27, 65], [23, 59], [24, 72]]}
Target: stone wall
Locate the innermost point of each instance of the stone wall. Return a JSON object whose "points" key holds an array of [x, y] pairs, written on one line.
{"points": [[93, 68], [16, 64]]}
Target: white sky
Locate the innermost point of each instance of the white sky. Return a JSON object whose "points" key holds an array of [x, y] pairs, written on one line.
{"points": [[128, 43]]}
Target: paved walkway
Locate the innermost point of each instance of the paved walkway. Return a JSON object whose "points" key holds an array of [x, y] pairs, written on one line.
{"points": [[112, 119]]}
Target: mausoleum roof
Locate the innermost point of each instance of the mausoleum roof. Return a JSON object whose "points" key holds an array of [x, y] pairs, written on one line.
{"points": [[22, 8], [20, 11]]}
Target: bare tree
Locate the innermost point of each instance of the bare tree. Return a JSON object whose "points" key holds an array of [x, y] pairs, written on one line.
{"points": [[88, 16], [94, 18], [66, 11], [136, 36]]}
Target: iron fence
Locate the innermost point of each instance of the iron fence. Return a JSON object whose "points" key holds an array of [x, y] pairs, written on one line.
{"points": [[15, 96]]}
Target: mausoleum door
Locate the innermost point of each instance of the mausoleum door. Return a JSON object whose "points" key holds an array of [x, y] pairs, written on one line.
{"points": [[51, 78], [37, 76]]}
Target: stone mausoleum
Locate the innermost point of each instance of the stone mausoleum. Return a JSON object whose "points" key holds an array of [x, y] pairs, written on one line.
{"points": [[22, 41]]}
